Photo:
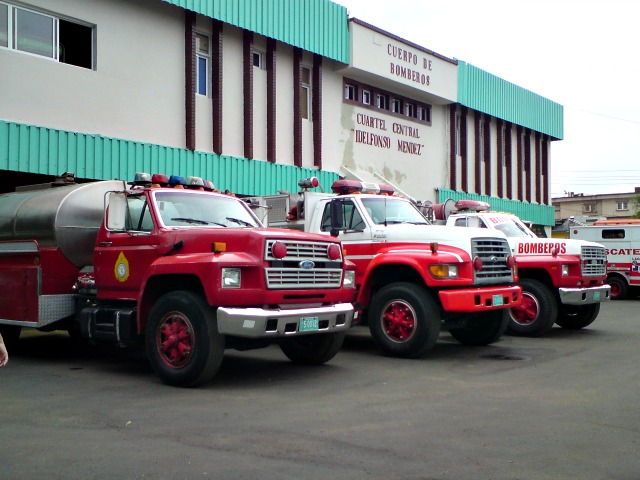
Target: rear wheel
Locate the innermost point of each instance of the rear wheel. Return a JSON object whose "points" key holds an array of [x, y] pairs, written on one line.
{"points": [[182, 340], [312, 349], [575, 317], [482, 328], [404, 320], [537, 313], [619, 288]]}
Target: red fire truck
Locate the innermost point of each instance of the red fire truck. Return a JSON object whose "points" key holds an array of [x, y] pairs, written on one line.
{"points": [[563, 281], [621, 238], [189, 272], [413, 279]]}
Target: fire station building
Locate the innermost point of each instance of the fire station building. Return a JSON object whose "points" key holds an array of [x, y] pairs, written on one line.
{"points": [[256, 95]]}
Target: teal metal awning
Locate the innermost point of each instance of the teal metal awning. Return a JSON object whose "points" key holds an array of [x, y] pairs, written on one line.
{"points": [[531, 212], [486, 93], [47, 151], [317, 26]]}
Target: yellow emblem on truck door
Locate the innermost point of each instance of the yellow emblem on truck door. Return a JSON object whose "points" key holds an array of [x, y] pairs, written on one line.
{"points": [[122, 268]]}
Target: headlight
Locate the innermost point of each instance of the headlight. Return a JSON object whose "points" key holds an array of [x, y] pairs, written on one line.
{"points": [[565, 270], [349, 279], [444, 271], [231, 278]]}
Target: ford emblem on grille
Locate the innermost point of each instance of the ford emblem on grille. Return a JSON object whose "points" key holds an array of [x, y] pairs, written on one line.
{"points": [[307, 264]]}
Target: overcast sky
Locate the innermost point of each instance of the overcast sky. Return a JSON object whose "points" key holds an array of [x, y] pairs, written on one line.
{"points": [[582, 54]]}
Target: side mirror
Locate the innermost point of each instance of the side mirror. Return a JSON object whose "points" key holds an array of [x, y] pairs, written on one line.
{"points": [[337, 218], [116, 211]]}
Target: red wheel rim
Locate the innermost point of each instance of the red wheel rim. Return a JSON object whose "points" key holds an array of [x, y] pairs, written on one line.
{"points": [[175, 339], [528, 311], [615, 289], [398, 321]]}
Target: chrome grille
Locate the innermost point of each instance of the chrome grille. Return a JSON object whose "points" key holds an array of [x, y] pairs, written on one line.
{"points": [[594, 261], [298, 278], [287, 273], [494, 253]]}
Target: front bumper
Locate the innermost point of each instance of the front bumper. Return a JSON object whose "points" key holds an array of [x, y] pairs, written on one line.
{"points": [[480, 299], [266, 323], [584, 296]]}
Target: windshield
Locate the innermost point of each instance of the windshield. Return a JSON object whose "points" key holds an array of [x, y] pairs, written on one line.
{"points": [[384, 210], [192, 209], [513, 229]]}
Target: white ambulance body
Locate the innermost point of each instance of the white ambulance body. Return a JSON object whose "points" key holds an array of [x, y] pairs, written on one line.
{"points": [[622, 241]]}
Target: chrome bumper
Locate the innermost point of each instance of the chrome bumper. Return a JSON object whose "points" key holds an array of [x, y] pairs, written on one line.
{"points": [[584, 296], [263, 323]]}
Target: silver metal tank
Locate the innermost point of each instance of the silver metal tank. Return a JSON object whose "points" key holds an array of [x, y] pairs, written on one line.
{"points": [[68, 217]]}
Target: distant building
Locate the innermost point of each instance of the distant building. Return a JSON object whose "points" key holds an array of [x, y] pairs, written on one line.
{"points": [[578, 208]]}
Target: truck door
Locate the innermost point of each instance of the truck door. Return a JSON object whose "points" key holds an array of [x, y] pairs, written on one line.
{"points": [[126, 249], [355, 234]]}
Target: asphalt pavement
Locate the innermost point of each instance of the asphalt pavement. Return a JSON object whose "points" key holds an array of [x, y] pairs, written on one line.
{"points": [[565, 406]]}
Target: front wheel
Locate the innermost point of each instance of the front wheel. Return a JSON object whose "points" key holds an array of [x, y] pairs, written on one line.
{"points": [[312, 349], [482, 329], [182, 340], [404, 320], [619, 288], [537, 313], [575, 317]]}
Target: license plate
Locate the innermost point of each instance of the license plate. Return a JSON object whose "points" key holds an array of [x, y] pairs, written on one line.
{"points": [[308, 324], [497, 300], [596, 296]]}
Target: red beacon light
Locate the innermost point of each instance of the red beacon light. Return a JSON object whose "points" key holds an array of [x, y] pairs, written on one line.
{"points": [[311, 182], [386, 189], [208, 186], [333, 252], [279, 250], [472, 205], [159, 180], [345, 187]]}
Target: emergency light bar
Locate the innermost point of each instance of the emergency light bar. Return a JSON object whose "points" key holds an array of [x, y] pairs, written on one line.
{"points": [[344, 187], [174, 181], [472, 205]]}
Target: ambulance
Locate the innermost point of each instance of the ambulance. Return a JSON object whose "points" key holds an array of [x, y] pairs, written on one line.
{"points": [[621, 238]]}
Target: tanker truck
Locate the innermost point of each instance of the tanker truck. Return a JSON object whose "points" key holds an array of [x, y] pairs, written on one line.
{"points": [[186, 272]]}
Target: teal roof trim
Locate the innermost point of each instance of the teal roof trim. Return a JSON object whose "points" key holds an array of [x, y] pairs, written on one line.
{"points": [[47, 151], [486, 93], [317, 26], [530, 212]]}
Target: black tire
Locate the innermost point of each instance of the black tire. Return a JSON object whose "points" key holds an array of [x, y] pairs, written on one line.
{"points": [[575, 317], [10, 335], [404, 320], [312, 349], [538, 312], [619, 288], [483, 328], [193, 353]]}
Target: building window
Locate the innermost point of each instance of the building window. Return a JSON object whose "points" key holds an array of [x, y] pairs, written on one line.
{"points": [[588, 208], [410, 110], [382, 102], [202, 64], [623, 206], [305, 97], [350, 92], [258, 60], [424, 114], [366, 97], [36, 33], [396, 106]]}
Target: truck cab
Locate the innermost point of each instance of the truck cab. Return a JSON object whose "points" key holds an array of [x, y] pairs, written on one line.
{"points": [[563, 281], [413, 279]]}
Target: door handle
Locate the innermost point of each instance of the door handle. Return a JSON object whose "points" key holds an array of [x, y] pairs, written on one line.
{"points": [[106, 244]]}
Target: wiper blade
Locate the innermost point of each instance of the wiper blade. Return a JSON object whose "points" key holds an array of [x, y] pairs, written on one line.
{"points": [[192, 220], [240, 221]]}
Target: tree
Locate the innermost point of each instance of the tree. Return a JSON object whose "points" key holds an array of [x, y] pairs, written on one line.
{"points": [[637, 206]]}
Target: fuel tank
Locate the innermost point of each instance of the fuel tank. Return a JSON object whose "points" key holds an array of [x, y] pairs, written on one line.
{"points": [[67, 217]]}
